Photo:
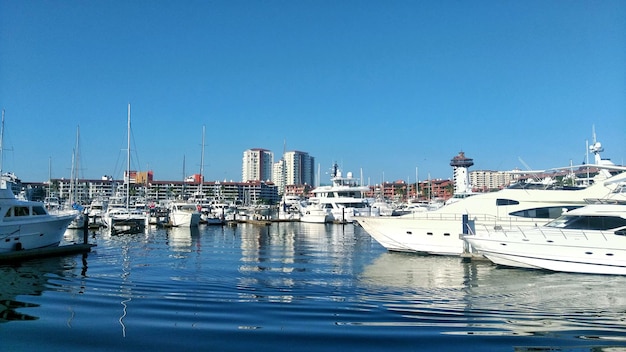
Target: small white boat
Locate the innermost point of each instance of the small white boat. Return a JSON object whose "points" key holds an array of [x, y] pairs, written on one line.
{"points": [[590, 240], [315, 213], [125, 220], [97, 209], [183, 214]]}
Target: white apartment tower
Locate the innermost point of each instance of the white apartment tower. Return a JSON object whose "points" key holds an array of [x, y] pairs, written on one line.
{"points": [[257, 165], [299, 168], [278, 175], [295, 168]]}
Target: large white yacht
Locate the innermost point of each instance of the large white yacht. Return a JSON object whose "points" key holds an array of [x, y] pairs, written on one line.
{"points": [[27, 224], [438, 231], [591, 239], [343, 201]]}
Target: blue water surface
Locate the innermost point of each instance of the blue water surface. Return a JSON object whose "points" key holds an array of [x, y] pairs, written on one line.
{"points": [[295, 287]]}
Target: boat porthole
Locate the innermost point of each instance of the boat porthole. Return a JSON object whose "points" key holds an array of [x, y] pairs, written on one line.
{"points": [[429, 233], [446, 234], [588, 252], [609, 254], [550, 241], [503, 244]]}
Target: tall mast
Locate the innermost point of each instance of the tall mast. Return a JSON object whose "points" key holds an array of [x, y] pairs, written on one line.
{"points": [[74, 170], [127, 180], [202, 162], [183, 195]]}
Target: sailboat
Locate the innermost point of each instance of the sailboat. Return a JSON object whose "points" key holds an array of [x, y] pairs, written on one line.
{"points": [[201, 200], [120, 217], [26, 224], [74, 206]]}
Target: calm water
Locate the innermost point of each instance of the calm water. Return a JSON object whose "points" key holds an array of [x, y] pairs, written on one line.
{"points": [[304, 287]]}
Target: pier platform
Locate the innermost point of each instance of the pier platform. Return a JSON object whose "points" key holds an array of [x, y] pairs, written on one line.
{"points": [[45, 252]]}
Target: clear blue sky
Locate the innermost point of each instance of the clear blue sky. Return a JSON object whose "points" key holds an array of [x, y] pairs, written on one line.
{"points": [[379, 86]]}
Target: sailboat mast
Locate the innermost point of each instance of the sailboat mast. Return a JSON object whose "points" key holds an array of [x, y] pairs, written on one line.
{"points": [[202, 162], [127, 180], [183, 195]]}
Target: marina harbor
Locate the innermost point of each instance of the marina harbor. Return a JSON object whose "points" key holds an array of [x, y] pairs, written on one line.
{"points": [[313, 176]]}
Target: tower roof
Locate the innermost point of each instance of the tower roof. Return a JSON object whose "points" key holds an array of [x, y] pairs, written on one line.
{"points": [[461, 161]]}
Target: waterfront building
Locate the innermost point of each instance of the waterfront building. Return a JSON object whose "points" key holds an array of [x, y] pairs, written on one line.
{"points": [[487, 180], [252, 192], [257, 165]]}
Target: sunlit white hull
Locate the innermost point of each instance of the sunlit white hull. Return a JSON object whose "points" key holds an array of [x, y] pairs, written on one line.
{"points": [[438, 231], [315, 215], [122, 220], [46, 231], [408, 235], [593, 252], [184, 219]]}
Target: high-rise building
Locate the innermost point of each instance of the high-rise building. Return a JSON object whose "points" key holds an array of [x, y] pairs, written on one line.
{"points": [[278, 175], [257, 165], [299, 168], [295, 168]]}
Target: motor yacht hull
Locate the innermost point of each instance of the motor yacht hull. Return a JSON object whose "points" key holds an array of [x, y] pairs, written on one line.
{"points": [[47, 231]]}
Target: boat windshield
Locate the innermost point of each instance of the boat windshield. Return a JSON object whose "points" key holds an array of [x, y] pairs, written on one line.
{"points": [[587, 222]]}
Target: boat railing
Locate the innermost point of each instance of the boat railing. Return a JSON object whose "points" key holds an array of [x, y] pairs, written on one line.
{"points": [[548, 233], [508, 221]]}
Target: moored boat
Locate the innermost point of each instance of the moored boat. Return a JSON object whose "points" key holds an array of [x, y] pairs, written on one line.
{"points": [[344, 199], [437, 231], [183, 214], [27, 224], [591, 240]]}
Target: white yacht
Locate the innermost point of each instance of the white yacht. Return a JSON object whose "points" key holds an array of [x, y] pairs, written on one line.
{"points": [[437, 231], [96, 210], [183, 214], [591, 240], [122, 217], [344, 199], [315, 213], [27, 224]]}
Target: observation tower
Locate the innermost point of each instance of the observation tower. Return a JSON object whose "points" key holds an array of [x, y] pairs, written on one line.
{"points": [[460, 164]]}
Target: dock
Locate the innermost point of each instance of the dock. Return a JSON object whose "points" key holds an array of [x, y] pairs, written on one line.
{"points": [[26, 254]]}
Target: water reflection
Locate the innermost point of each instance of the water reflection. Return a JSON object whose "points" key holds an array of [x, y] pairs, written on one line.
{"points": [[478, 298], [18, 281], [288, 260], [181, 239]]}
